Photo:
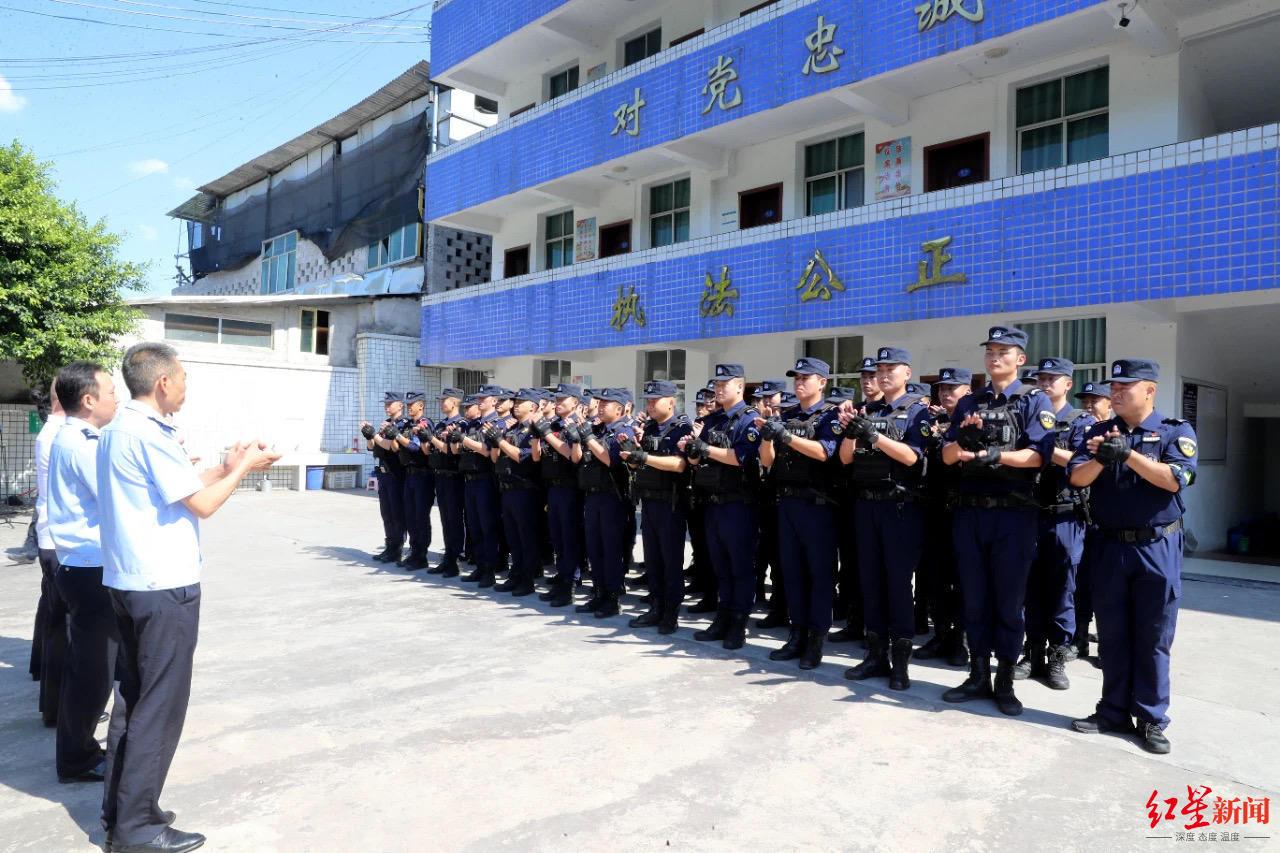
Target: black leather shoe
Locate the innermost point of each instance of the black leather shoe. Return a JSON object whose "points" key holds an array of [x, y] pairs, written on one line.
{"points": [[413, 564], [874, 665], [670, 618], [607, 607], [1094, 724], [507, 585], [716, 630], [591, 604], [548, 595], [977, 685], [561, 597], [96, 773], [735, 635], [899, 661], [170, 840], [648, 619], [812, 656], [1055, 677], [957, 649], [1152, 739], [473, 576], [932, 649], [847, 634], [522, 589], [792, 648], [386, 556]]}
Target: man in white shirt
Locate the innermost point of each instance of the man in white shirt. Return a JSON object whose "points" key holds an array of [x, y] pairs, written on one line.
{"points": [[49, 642], [150, 500], [88, 397]]}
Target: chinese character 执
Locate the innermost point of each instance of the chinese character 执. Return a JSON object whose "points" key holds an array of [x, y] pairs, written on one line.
{"points": [[937, 258], [811, 279], [822, 54], [627, 116], [626, 307], [718, 296], [719, 79], [936, 11]]}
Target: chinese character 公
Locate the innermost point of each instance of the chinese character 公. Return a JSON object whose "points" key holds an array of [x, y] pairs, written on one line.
{"points": [[811, 279], [822, 54], [719, 79], [718, 296], [627, 116], [937, 258]]}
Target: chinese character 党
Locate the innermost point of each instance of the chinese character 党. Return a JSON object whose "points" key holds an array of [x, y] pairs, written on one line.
{"points": [[719, 79]]}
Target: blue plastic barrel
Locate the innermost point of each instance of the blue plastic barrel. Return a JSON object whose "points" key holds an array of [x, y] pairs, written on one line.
{"points": [[315, 478]]}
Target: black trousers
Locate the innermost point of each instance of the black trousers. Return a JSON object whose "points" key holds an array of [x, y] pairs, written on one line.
{"points": [[89, 669], [158, 631], [52, 636]]}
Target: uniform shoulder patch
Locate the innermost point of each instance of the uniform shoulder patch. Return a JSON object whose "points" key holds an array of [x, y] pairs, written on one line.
{"points": [[926, 430], [1186, 446], [1048, 419], [1173, 421], [753, 434]]}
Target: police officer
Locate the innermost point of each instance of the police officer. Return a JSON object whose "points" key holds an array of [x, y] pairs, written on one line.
{"points": [[1050, 607], [603, 478], [726, 452], [662, 486], [1136, 465], [848, 596], [938, 560], [419, 483], [521, 495], [768, 401], [448, 482], [885, 444], [1000, 437], [564, 500], [1095, 398], [799, 447], [389, 473], [704, 578], [479, 448]]}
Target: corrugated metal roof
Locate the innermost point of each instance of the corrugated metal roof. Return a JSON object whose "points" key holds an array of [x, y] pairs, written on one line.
{"points": [[411, 85]]}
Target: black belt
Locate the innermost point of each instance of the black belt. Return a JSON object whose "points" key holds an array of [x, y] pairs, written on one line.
{"points": [[725, 499], [805, 493], [478, 475], [994, 502], [1061, 509], [1142, 535], [509, 485], [446, 472], [901, 496], [383, 469], [418, 471]]}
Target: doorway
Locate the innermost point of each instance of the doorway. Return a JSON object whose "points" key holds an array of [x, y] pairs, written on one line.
{"points": [[948, 165]]}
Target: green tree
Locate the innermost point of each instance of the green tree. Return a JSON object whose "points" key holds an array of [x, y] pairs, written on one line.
{"points": [[61, 279]]}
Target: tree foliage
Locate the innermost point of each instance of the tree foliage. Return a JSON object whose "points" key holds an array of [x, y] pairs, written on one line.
{"points": [[61, 278]]}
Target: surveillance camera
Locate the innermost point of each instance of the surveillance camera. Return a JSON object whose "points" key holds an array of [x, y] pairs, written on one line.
{"points": [[1123, 22]]}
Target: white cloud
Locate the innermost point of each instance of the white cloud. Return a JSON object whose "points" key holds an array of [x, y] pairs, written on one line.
{"points": [[9, 102], [150, 166], [147, 232]]}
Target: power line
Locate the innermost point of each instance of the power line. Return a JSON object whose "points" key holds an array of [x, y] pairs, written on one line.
{"points": [[291, 11], [398, 25], [109, 9]]}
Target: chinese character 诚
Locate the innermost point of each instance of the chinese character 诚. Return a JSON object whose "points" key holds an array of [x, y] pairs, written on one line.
{"points": [[937, 259], [811, 279], [627, 116], [718, 296], [936, 11], [1195, 807], [719, 79], [822, 54], [626, 307]]}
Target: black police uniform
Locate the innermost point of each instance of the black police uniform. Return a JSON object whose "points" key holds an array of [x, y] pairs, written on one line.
{"points": [[564, 509], [521, 498], [449, 498], [606, 503], [664, 501], [390, 475], [480, 492], [419, 492]]}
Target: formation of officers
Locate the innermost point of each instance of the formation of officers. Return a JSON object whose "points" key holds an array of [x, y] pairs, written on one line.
{"points": [[1007, 516]]}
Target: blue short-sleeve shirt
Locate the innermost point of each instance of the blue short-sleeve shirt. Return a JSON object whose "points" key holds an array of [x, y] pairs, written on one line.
{"points": [[73, 494], [739, 422]]}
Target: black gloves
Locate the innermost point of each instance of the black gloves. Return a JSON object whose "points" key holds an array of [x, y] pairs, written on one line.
{"points": [[423, 433], [636, 458], [1113, 451], [970, 438], [454, 437], [389, 432], [988, 458], [772, 429], [492, 435], [570, 435], [696, 449], [542, 427], [368, 432], [863, 431]]}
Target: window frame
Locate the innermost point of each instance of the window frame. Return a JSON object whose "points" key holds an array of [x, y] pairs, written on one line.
{"points": [[841, 175], [575, 68], [681, 383], [386, 241], [1063, 118], [269, 337], [506, 260], [852, 380], [566, 239], [565, 374], [292, 267], [1089, 371], [644, 33], [671, 212], [311, 347]]}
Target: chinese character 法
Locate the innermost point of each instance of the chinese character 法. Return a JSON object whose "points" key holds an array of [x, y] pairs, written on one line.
{"points": [[718, 296]]}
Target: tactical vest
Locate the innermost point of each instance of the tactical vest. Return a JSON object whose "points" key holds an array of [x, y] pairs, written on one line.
{"points": [[556, 469], [660, 485], [1000, 430], [471, 463], [720, 482], [873, 470], [595, 477], [792, 470], [513, 474], [1054, 491], [440, 460], [409, 457]]}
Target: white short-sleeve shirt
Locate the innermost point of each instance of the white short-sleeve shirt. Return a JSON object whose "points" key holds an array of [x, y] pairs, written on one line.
{"points": [[44, 443], [73, 494], [150, 540]]}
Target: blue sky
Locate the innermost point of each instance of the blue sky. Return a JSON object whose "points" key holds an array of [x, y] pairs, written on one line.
{"points": [[131, 135]]}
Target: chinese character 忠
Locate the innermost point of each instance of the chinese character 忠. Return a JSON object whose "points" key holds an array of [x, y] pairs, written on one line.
{"points": [[936, 11], [811, 279], [822, 54], [719, 80], [626, 307], [937, 258], [718, 296], [1195, 807], [627, 117]]}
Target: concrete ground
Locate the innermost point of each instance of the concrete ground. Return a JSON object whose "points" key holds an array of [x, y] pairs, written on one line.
{"points": [[341, 705]]}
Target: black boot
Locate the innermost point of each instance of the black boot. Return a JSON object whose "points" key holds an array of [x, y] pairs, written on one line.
{"points": [[874, 664], [474, 575], [717, 629], [773, 619], [513, 580], [561, 596], [414, 562], [592, 603], [1056, 669], [706, 605], [900, 655], [977, 685], [932, 649], [524, 586], [649, 618], [813, 650], [1006, 701], [451, 571], [387, 555], [443, 566], [957, 648], [793, 648], [486, 578], [670, 618], [848, 634], [607, 607], [735, 636]]}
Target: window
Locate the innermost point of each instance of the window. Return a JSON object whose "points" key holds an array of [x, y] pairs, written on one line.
{"points": [[523, 109], [400, 245], [486, 106], [686, 37], [761, 206], [844, 355], [642, 47], [954, 164], [1082, 341], [468, 380], [1063, 121], [834, 176], [515, 262], [563, 83], [559, 245], [315, 331], [665, 364], [213, 330], [552, 372], [669, 213], [279, 263], [615, 239]]}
